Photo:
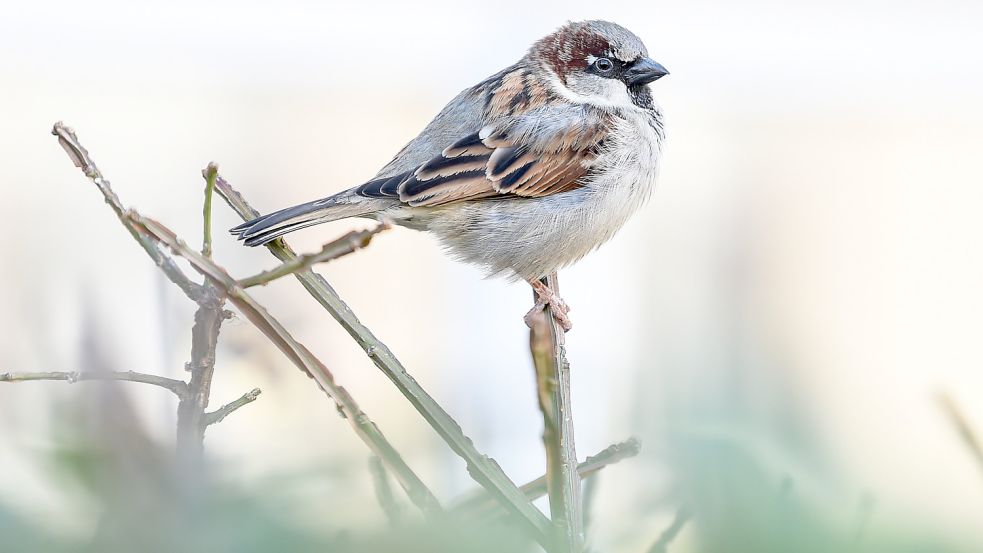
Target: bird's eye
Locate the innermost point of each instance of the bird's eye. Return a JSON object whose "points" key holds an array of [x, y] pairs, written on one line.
{"points": [[603, 65]]}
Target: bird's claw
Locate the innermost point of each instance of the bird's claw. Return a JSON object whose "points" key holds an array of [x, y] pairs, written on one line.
{"points": [[546, 297]]}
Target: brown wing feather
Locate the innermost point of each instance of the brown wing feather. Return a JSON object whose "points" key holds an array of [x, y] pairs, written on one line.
{"points": [[547, 174], [513, 157], [482, 172]]}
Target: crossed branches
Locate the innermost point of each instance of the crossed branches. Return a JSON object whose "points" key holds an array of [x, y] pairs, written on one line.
{"points": [[562, 532]]}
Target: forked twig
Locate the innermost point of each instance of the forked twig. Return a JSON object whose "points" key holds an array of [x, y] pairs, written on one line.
{"points": [[482, 468], [191, 423], [80, 157], [480, 504], [193, 395], [299, 355], [218, 285]]}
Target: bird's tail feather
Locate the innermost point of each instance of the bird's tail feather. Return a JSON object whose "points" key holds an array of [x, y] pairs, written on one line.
{"points": [[266, 228]]}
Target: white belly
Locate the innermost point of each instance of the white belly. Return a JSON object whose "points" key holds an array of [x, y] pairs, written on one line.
{"points": [[532, 237]]}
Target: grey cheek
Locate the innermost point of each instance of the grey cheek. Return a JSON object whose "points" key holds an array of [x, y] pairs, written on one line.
{"points": [[592, 85], [588, 86]]}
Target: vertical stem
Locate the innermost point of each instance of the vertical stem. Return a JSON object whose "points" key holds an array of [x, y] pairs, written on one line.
{"points": [[547, 343], [191, 421], [206, 243]]}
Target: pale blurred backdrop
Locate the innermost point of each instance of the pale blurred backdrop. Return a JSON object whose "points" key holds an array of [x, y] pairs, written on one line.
{"points": [[803, 285]]}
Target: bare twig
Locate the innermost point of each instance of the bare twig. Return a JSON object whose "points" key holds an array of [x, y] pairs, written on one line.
{"points": [[349, 243], [178, 387], [79, 155], [208, 318], [383, 492], [191, 418], [963, 427], [206, 242], [482, 468], [607, 456], [546, 339], [191, 421], [300, 356], [661, 545], [479, 503], [219, 414]]}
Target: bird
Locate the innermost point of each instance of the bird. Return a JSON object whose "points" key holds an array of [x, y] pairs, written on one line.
{"points": [[526, 172]]}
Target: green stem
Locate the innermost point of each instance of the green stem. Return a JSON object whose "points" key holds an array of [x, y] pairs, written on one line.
{"points": [[210, 173]]}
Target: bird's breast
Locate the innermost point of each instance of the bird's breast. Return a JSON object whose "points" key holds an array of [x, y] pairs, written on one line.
{"points": [[532, 237]]}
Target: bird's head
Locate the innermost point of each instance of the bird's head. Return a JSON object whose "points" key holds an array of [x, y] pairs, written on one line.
{"points": [[598, 62]]}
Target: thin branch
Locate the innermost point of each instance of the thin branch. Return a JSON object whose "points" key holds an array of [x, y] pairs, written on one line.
{"points": [[208, 318], [661, 545], [479, 504], [547, 343], [178, 387], [219, 414], [608, 456], [140, 229], [206, 241], [482, 468], [963, 427], [80, 157], [349, 243], [300, 356], [383, 492], [204, 340], [191, 417]]}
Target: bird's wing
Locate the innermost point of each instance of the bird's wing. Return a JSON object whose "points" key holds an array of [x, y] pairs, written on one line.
{"points": [[544, 151]]}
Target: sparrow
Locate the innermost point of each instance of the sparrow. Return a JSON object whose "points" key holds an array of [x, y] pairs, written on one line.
{"points": [[527, 171]]}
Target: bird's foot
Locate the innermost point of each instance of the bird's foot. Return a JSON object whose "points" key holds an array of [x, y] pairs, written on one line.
{"points": [[546, 297]]}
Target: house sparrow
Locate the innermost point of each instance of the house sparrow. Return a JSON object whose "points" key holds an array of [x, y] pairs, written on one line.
{"points": [[525, 172]]}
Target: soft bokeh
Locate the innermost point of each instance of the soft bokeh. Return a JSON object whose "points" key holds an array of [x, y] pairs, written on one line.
{"points": [[776, 325]]}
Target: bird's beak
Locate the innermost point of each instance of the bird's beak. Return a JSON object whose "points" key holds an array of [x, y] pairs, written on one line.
{"points": [[644, 71]]}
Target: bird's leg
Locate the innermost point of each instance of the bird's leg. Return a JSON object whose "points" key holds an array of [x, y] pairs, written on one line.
{"points": [[545, 296]]}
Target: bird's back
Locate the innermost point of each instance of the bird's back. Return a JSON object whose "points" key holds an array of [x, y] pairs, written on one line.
{"points": [[461, 117], [464, 115]]}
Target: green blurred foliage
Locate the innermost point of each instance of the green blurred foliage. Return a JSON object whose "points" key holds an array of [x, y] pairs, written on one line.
{"points": [[734, 503]]}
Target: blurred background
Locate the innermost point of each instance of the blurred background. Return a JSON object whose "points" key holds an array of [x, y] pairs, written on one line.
{"points": [[776, 326]]}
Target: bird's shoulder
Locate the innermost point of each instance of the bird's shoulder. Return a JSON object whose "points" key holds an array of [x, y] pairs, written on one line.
{"points": [[508, 94], [510, 134]]}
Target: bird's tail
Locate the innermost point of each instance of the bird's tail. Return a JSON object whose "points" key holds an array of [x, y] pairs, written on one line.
{"points": [[266, 228]]}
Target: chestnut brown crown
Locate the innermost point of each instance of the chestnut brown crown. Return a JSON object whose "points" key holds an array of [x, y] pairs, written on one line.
{"points": [[601, 48]]}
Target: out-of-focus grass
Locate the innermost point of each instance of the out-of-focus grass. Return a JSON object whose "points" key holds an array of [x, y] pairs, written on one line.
{"points": [[737, 501], [144, 505], [740, 504]]}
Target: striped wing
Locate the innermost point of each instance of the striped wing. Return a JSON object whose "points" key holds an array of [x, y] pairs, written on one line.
{"points": [[535, 155]]}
